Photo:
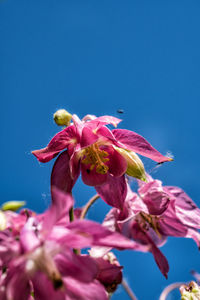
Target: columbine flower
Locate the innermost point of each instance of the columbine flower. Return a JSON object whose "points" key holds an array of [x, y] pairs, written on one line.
{"points": [[153, 214], [42, 260], [98, 152]]}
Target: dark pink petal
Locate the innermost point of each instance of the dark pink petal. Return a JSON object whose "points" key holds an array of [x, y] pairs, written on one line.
{"points": [[113, 191], [160, 260], [61, 204], [61, 174], [91, 177], [17, 287], [142, 237], [77, 290], [88, 136], [74, 164], [67, 138], [132, 141], [186, 209], [100, 236], [82, 268], [170, 225], [155, 197], [117, 163], [44, 289], [110, 275], [105, 132]]}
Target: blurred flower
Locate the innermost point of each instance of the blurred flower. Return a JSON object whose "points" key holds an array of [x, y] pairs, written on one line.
{"points": [[41, 258], [190, 291]]}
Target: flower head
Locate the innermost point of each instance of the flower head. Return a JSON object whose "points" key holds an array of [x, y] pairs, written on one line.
{"points": [[98, 152]]}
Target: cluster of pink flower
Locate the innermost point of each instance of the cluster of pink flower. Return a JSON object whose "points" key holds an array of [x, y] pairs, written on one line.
{"points": [[40, 255]]}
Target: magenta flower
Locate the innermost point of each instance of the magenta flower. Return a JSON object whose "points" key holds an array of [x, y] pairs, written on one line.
{"points": [[97, 152], [152, 215], [41, 260]]}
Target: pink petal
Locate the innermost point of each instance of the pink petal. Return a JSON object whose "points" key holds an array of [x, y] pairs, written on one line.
{"points": [[91, 177], [100, 236], [44, 289], [117, 163], [88, 136], [104, 120], [82, 268], [186, 209], [155, 197], [61, 175], [132, 141], [77, 290], [59, 209], [66, 138], [113, 191]]}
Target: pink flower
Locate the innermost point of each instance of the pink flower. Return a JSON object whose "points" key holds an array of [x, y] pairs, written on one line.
{"points": [[43, 260], [97, 152], [152, 215]]}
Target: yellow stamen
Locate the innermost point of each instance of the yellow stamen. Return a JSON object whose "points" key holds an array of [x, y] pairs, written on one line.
{"points": [[95, 157]]}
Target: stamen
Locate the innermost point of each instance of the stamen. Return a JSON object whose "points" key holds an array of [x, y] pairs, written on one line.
{"points": [[152, 221], [95, 157]]}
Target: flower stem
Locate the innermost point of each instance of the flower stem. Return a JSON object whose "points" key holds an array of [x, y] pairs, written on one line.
{"points": [[168, 290], [88, 205], [128, 290]]}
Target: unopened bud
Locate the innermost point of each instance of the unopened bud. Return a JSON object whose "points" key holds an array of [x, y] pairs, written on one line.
{"points": [[2, 221], [62, 117], [13, 205], [190, 291], [135, 167]]}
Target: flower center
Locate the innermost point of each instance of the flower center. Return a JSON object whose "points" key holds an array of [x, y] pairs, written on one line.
{"points": [[95, 157], [147, 221]]}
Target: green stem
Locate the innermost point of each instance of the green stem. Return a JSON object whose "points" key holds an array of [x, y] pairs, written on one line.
{"points": [[88, 205]]}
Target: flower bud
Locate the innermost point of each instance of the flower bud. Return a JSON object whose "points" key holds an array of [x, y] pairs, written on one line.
{"points": [[190, 291], [135, 167], [13, 205], [62, 117], [2, 221]]}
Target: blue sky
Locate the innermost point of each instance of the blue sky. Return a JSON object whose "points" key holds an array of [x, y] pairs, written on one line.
{"points": [[97, 57]]}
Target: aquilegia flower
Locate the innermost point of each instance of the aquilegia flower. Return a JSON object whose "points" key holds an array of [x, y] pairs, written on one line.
{"points": [[152, 215], [40, 260], [98, 152]]}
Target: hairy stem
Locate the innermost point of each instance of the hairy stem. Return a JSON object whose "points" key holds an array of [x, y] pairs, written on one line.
{"points": [[169, 289], [128, 290], [88, 205]]}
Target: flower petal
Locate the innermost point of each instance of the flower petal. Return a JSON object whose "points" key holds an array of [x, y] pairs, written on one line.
{"points": [[132, 141], [117, 163], [91, 177], [77, 290], [61, 175], [68, 137], [113, 191], [100, 236]]}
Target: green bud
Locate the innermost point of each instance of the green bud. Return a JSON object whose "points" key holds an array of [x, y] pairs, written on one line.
{"points": [[135, 167], [13, 205], [190, 291], [62, 117], [2, 221]]}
